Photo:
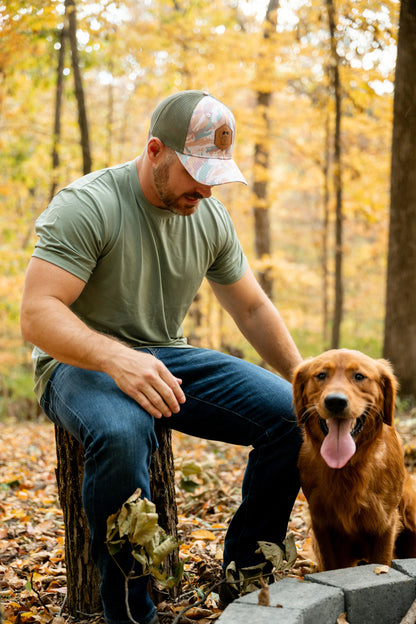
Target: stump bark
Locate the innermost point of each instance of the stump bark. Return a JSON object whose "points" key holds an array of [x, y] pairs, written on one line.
{"points": [[82, 575]]}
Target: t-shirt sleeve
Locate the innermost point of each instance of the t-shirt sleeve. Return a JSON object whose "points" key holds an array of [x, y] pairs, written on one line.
{"points": [[230, 263], [71, 233]]}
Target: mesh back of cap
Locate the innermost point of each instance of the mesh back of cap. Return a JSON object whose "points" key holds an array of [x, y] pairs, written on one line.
{"points": [[170, 119]]}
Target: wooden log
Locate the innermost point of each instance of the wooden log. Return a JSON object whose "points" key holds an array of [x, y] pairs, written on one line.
{"points": [[82, 575]]}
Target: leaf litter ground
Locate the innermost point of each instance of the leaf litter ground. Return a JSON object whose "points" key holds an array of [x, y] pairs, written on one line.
{"points": [[208, 480]]}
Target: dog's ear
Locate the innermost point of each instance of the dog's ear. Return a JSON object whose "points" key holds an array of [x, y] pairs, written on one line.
{"points": [[389, 386], [300, 377]]}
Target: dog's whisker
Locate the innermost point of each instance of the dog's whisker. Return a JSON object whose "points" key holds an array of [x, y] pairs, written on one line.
{"points": [[308, 412]]}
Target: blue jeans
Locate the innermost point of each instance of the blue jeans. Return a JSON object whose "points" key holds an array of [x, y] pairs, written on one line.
{"points": [[227, 399]]}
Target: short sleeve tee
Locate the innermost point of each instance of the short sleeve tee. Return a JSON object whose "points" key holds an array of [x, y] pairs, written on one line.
{"points": [[141, 265]]}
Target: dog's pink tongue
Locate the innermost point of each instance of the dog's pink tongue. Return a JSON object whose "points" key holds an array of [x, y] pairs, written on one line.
{"points": [[338, 446]]}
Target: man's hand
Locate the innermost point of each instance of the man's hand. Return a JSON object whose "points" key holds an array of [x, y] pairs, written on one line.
{"points": [[147, 380]]}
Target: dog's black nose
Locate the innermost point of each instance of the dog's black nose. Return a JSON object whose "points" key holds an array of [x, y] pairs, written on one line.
{"points": [[336, 402]]}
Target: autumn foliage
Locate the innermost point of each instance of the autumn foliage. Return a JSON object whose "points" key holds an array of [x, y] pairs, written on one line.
{"points": [[131, 54]]}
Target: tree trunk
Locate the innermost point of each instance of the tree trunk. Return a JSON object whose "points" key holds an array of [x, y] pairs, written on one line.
{"points": [[400, 325], [262, 157], [325, 233], [82, 574], [110, 115], [336, 83], [162, 491], [70, 13], [261, 208], [58, 109]]}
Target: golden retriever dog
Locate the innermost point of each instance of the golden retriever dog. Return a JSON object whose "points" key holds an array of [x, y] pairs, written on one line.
{"points": [[361, 500]]}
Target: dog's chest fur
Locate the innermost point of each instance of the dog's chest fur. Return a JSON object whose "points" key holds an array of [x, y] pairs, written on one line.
{"points": [[350, 498]]}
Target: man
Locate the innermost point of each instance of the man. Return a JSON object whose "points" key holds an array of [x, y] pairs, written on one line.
{"points": [[120, 256]]}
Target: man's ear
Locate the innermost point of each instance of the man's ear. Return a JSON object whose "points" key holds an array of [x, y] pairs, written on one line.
{"points": [[154, 149]]}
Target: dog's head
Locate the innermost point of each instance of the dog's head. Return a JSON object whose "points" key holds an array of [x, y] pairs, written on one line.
{"points": [[342, 397]]}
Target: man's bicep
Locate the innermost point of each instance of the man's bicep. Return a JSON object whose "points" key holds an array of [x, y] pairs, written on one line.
{"points": [[241, 297], [44, 279]]}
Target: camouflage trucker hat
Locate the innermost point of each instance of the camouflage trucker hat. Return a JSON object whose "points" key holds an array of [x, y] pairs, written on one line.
{"points": [[201, 130]]}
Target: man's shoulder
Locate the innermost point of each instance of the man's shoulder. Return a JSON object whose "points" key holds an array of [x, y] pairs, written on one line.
{"points": [[96, 190], [213, 212], [105, 178]]}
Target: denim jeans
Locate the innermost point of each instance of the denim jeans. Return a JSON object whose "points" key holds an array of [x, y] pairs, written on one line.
{"points": [[227, 399]]}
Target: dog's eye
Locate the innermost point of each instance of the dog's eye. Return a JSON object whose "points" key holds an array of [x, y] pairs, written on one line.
{"points": [[359, 376], [321, 376]]}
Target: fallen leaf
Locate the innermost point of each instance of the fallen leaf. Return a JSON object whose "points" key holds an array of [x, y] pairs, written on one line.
{"points": [[203, 534], [264, 594], [197, 613], [384, 569]]}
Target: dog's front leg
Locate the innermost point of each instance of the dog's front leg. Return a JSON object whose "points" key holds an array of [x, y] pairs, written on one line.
{"points": [[382, 547], [332, 549]]}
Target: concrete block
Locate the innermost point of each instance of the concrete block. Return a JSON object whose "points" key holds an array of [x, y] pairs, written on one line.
{"points": [[371, 598], [407, 566], [245, 613], [317, 603]]}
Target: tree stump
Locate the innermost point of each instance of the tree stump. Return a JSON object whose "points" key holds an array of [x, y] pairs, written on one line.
{"points": [[82, 575], [162, 492]]}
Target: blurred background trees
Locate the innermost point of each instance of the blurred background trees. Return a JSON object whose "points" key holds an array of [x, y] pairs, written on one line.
{"points": [[311, 86]]}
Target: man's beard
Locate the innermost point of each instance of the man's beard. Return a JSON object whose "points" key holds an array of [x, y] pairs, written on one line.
{"points": [[168, 197]]}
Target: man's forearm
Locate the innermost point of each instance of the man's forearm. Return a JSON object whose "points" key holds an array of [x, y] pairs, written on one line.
{"points": [[53, 327], [267, 333], [67, 339]]}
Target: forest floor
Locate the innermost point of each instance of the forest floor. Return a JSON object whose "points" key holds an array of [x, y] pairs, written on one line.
{"points": [[32, 565]]}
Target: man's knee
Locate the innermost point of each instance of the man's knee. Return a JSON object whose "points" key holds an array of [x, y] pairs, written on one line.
{"points": [[124, 435]]}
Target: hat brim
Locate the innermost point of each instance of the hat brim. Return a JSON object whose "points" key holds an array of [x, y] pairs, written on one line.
{"points": [[211, 171]]}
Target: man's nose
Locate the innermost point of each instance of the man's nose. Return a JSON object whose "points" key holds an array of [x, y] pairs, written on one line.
{"points": [[204, 190]]}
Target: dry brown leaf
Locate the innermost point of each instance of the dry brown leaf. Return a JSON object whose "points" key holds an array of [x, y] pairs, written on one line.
{"points": [[383, 569], [264, 594], [197, 613]]}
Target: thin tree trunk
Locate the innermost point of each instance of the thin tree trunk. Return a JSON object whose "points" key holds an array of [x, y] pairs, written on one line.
{"points": [[336, 83], [325, 232], [261, 161], [110, 113], [58, 111], [70, 12]]}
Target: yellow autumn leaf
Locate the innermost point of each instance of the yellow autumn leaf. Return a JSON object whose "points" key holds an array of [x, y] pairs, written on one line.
{"points": [[35, 576], [28, 616], [203, 534]]}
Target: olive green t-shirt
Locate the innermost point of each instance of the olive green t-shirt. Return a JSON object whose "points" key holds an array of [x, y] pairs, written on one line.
{"points": [[141, 265]]}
